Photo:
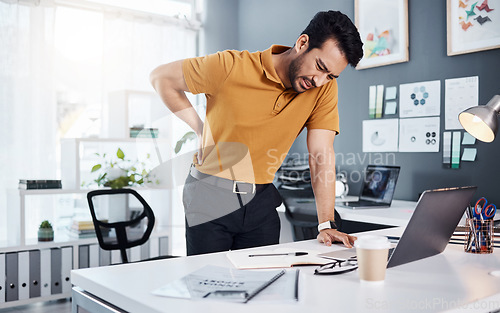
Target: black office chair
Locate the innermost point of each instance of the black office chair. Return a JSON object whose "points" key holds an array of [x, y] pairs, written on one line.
{"points": [[129, 223]]}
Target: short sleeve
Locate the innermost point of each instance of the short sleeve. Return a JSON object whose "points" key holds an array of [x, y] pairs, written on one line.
{"points": [[325, 114], [206, 74]]}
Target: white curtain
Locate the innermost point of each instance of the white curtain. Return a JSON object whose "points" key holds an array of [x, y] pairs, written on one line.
{"points": [[57, 66]]}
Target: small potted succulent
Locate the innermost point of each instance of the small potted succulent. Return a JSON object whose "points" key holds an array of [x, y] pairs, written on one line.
{"points": [[45, 231]]}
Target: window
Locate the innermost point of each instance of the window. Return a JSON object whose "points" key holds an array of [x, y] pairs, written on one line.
{"points": [[59, 60]]}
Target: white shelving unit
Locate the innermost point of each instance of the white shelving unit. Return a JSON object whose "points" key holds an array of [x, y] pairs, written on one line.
{"points": [[22, 240], [27, 208]]}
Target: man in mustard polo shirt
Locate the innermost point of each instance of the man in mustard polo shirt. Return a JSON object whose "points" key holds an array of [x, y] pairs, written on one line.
{"points": [[257, 104]]}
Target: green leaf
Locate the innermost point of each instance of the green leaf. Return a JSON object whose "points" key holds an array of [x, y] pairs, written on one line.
{"points": [[96, 168], [187, 136], [120, 154]]}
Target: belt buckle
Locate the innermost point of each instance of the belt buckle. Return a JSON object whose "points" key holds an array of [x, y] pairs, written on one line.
{"points": [[242, 192]]}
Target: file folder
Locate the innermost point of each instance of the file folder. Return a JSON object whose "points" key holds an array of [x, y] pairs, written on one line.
{"points": [[154, 247], [23, 258], [116, 257], [83, 256], [66, 267], [45, 273], [11, 279], [104, 257], [2, 276], [55, 270], [93, 255], [164, 246], [145, 250], [34, 281], [135, 254]]}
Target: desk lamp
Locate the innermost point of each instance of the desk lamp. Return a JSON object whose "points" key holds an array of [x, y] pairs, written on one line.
{"points": [[482, 121]]}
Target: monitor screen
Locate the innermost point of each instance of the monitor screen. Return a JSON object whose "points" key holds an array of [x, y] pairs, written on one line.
{"points": [[380, 183]]}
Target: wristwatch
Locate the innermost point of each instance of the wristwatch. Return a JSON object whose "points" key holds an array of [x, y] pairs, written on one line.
{"points": [[327, 225]]}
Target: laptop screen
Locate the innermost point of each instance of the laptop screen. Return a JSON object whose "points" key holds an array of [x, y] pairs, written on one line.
{"points": [[380, 183]]}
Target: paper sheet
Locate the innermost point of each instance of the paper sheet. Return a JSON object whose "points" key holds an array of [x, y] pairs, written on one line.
{"points": [[455, 150], [460, 94], [372, 101], [390, 107], [390, 93], [468, 139], [380, 135], [469, 154], [419, 134], [420, 99], [447, 149], [380, 101]]}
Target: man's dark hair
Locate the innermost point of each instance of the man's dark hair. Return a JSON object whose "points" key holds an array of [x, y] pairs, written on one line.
{"points": [[337, 26]]}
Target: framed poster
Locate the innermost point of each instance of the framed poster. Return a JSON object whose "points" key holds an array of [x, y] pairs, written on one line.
{"points": [[383, 27], [472, 25]]}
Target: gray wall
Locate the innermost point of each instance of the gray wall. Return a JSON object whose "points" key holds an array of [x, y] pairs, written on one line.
{"points": [[261, 23]]}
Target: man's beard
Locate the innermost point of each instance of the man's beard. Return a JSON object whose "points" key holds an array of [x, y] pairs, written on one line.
{"points": [[293, 71]]}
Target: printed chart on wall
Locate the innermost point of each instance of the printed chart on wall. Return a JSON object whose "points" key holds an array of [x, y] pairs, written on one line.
{"points": [[419, 134], [380, 135], [420, 99], [460, 94]]}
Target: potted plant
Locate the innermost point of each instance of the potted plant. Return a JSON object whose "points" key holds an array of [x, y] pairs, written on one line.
{"points": [[120, 172], [45, 231]]}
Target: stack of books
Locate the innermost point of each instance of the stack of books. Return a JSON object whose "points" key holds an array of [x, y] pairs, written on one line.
{"points": [[139, 132], [40, 184], [82, 229]]}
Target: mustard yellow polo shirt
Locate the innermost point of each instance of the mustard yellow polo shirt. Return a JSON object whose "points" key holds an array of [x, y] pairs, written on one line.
{"points": [[252, 120]]}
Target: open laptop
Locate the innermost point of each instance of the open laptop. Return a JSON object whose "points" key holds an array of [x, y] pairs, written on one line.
{"points": [[378, 188], [430, 227]]}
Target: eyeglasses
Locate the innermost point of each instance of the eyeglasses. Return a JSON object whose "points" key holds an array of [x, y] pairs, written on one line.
{"points": [[337, 267]]}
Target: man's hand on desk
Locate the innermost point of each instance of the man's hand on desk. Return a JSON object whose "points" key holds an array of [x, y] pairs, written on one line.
{"points": [[327, 236]]}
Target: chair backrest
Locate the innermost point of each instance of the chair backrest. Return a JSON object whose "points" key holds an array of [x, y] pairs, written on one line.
{"points": [[122, 219]]}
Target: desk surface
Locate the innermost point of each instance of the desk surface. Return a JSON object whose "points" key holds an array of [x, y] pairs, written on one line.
{"points": [[447, 281], [398, 214]]}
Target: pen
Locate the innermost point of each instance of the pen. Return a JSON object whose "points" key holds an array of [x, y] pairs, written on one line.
{"points": [[275, 254]]}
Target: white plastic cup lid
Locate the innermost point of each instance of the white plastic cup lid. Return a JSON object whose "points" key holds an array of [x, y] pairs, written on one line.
{"points": [[372, 242]]}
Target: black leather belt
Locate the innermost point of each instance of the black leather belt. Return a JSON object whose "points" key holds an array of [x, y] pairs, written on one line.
{"points": [[233, 185]]}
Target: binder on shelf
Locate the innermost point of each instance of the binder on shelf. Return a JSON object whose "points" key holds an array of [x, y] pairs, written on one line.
{"points": [[135, 254], [45, 273], [11, 279], [23, 258], [116, 257], [34, 281], [83, 256], [104, 257], [55, 270], [145, 250], [154, 247], [163, 241], [93, 255], [66, 267], [2, 276]]}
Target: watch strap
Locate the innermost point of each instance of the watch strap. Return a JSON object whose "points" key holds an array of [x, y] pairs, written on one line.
{"points": [[327, 225]]}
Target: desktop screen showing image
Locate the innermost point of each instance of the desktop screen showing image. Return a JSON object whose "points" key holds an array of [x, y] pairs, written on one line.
{"points": [[380, 183]]}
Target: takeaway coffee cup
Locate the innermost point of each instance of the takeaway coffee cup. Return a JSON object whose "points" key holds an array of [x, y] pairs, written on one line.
{"points": [[372, 252]]}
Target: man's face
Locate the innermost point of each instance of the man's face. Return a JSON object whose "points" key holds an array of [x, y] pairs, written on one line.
{"points": [[316, 67]]}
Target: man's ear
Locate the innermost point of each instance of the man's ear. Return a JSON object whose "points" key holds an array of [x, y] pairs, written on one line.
{"points": [[302, 43]]}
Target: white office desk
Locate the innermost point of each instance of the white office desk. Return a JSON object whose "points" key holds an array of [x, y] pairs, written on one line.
{"points": [[447, 281], [398, 214]]}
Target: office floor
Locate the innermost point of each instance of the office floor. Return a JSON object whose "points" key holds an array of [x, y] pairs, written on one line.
{"points": [[56, 306]]}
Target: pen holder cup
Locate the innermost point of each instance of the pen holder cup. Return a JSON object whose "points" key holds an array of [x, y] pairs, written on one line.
{"points": [[479, 236]]}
